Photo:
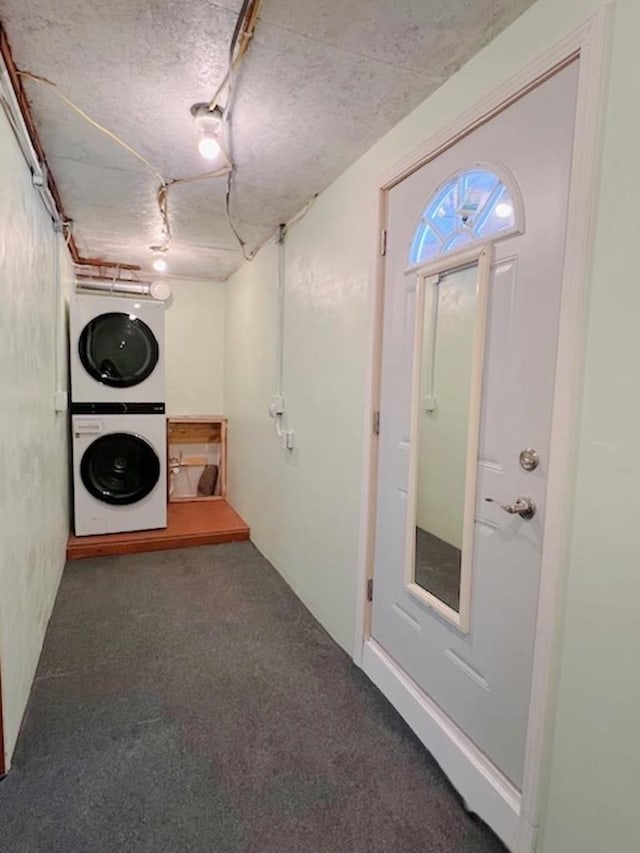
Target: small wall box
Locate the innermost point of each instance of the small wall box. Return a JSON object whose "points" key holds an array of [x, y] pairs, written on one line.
{"points": [[195, 444]]}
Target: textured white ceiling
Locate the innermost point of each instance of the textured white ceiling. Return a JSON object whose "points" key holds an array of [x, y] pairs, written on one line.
{"points": [[322, 81]]}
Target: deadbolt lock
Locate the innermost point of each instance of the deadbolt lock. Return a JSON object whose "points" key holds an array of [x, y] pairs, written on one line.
{"points": [[529, 459]]}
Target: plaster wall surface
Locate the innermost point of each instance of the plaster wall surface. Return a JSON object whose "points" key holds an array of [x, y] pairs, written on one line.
{"points": [[304, 507], [194, 328], [34, 499], [330, 263], [595, 763]]}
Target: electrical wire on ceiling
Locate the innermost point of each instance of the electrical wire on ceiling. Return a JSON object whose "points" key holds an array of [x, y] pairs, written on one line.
{"points": [[162, 193], [38, 79], [240, 40], [163, 206], [278, 232], [243, 33]]}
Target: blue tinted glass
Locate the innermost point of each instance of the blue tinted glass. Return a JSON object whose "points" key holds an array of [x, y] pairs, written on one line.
{"points": [[443, 210], [500, 214], [472, 206], [457, 242], [426, 244], [480, 180], [478, 187]]}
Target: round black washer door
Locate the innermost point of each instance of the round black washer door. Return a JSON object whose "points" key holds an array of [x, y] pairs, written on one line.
{"points": [[120, 468], [118, 349]]}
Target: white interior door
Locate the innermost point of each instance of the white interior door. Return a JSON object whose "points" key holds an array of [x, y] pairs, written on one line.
{"points": [[475, 665]]}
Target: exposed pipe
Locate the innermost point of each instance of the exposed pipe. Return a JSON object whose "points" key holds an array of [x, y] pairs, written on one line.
{"points": [[282, 230], [244, 39], [29, 140], [16, 104], [249, 26], [101, 263], [57, 319], [277, 408], [160, 290], [134, 288]]}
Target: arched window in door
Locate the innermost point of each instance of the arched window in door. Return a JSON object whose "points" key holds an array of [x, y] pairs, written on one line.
{"points": [[470, 207]]}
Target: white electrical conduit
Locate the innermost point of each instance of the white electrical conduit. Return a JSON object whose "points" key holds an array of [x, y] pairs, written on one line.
{"points": [[280, 237], [281, 297], [19, 128], [16, 121], [57, 319]]}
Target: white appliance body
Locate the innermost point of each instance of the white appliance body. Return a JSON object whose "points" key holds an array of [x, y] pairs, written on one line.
{"points": [[119, 472], [117, 349]]}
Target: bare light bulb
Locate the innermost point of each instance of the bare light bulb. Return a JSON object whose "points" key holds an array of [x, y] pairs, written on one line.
{"points": [[209, 147], [504, 210], [159, 264]]}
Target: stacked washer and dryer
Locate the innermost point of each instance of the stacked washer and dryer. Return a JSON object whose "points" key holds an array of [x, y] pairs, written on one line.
{"points": [[118, 413]]}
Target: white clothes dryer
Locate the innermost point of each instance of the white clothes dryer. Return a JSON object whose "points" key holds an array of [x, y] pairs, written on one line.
{"points": [[117, 349], [119, 468]]}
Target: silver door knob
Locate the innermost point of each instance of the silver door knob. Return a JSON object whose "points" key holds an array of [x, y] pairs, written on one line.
{"points": [[523, 506]]}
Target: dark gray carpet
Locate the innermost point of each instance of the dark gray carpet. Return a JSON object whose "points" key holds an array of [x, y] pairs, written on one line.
{"points": [[438, 567], [187, 701]]}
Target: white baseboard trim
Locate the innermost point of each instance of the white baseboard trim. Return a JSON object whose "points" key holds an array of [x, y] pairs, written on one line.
{"points": [[485, 790]]}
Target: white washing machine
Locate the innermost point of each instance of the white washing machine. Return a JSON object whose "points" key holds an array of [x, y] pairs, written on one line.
{"points": [[117, 349], [119, 468]]}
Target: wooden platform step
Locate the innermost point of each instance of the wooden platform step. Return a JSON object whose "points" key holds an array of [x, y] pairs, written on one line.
{"points": [[188, 524]]}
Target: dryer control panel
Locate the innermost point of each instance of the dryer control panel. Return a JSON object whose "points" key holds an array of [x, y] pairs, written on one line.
{"points": [[88, 426]]}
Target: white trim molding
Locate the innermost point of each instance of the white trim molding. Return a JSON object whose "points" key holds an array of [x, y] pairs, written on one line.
{"points": [[480, 257], [483, 788], [514, 816]]}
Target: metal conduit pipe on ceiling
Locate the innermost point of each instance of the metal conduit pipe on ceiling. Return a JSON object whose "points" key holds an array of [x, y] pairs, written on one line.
{"points": [[160, 290]]}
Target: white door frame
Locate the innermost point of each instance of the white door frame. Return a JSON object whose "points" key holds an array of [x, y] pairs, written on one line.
{"points": [[514, 815]]}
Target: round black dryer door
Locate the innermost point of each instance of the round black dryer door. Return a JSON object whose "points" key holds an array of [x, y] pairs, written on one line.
{"points": [[120, 468], [118, 349]]}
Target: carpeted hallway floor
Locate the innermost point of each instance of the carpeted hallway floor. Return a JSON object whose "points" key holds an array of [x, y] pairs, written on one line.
{"points": [[187, 701]]}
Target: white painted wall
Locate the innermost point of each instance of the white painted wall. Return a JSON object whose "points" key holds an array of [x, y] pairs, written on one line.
{"points": [[595, 767], [304, 508], [33, 486], [195, 348]]}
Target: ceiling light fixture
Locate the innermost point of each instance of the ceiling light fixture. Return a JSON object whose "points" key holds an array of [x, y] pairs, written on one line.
{"points": [[209, 125], [159, 262], [209, 147]]}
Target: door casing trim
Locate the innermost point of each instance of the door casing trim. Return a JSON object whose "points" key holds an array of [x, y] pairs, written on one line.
{"points": [[3, 761], [519, 824], [498, 802]]}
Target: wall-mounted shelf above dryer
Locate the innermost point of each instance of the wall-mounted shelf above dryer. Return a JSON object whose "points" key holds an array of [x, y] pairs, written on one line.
{"points": [[197, 463]]}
